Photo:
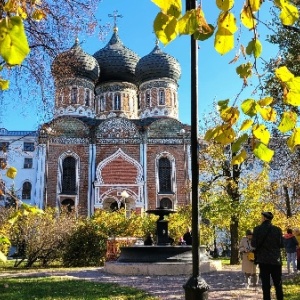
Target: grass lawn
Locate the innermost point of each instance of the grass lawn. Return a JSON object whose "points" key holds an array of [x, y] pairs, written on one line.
{"points": [[59, 288]]}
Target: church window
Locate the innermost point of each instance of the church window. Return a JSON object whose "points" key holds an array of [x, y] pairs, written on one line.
{"points": [[68, 205], [148, 99], [102, 103], [139, 101], [69, 175], [74, 95], [166, 203], [28, 163], [162, 97], [28, 147], [164, 175], [117, 101], [26, 190], [87, 98]]}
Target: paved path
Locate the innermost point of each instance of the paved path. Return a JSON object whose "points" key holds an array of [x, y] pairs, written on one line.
{"points": [[227, 284]]}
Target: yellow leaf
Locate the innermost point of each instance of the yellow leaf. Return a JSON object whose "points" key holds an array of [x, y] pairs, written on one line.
{"points": [[284, 74], [238, 159], [225, 4], [165, 28], [226, 135], [261, 133], [263, 152], [294, 139], [255, 4], [188, 23], [224, 41], [292, 98], [170, 7], [268, 114], [246, 124], [4, 84], [230, 115], [288, 121], [289, 15], [13, 42], [227, 21], [247, 17], [38, 15], [11, 172], [265, 101]]}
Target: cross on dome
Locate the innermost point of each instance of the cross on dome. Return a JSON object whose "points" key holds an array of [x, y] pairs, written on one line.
{"points": [[115, 15]]}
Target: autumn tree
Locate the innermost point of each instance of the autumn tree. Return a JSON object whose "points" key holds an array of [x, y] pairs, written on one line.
{"points": [[44, 29]]}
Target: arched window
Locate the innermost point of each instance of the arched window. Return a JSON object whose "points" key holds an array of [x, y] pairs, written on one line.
{"points": [[164, 175], [148, 99], [87, 97], [162, 100], [69, 176], [26, 190], [139, 101], [117, 101], [102, 103], [166, 203], [74, 95]]}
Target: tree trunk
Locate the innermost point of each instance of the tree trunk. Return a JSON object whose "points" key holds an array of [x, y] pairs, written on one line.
{"points": [[287, 201], [234, 235]]}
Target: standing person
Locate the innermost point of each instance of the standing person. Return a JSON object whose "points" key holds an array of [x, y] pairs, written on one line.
{"points": [[297, 235], [268, 240], [248, 266], [187, 237], [290, 245]]}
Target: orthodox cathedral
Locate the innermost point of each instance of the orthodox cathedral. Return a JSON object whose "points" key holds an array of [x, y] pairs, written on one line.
{"points": [[115, 140]]}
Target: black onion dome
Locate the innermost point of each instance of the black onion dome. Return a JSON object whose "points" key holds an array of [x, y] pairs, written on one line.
{"points": [[116, 61], [75, 62], [158, 64]]}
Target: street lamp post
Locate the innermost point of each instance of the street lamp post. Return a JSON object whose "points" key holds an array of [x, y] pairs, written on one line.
{"points": [[196, 288], [124, 196]]}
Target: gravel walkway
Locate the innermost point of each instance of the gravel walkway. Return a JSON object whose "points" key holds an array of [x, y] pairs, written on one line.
{"points": [[225, 284]]}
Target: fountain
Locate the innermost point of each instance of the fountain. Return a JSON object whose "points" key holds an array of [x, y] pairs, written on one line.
{"points": [[161, 258]]}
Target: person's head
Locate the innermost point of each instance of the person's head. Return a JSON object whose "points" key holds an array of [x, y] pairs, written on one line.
{"points": [[266, 215], [249, 233], [289, 230]]}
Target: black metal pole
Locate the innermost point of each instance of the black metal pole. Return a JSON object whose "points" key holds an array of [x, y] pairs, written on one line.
{"points": [[196, 288]]}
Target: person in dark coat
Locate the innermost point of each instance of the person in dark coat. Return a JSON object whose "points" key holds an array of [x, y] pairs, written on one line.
{"points": [[187, 237], [267, 240], [290, 245], [148, 240]]}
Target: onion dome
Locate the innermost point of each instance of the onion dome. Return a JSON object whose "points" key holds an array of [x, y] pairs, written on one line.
{"points": [[75, 63], [158, 64], [116, 61]]}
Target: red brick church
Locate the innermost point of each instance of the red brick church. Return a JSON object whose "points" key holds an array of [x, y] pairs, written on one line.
{"points": [[115, 139]]}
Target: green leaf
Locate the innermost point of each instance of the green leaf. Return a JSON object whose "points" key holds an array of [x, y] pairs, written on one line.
{"points": [[254, 48], [249, 107], [204, 33], [226, 20], [288, 121], [165, 28], [4, 240], [13, 42], [246, 124], [244, 70], [3, 257], [262, 152], [222, 104], [265, 101], [247, 17], [236, 146]]}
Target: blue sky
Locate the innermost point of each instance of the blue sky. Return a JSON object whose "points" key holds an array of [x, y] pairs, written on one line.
{"points": [[217, 78]]}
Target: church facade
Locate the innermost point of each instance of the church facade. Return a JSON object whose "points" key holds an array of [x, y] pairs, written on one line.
{"points": [[115, 139]]}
